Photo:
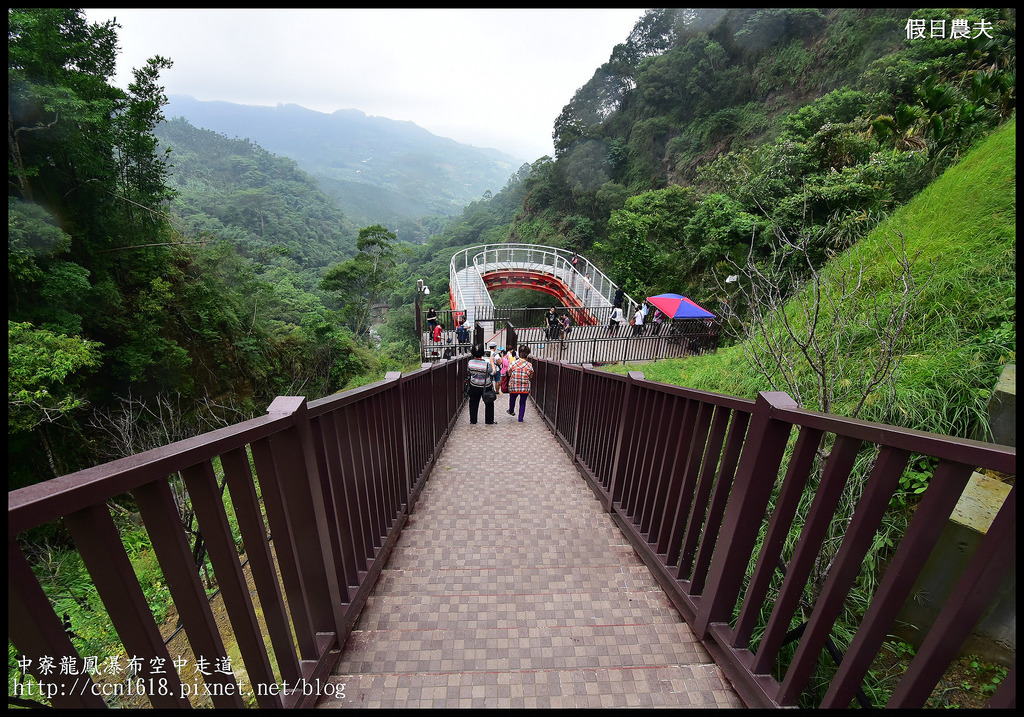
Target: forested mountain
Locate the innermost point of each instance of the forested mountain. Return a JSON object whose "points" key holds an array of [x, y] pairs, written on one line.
{"points": [[379, 170], [709, 132], [264, 204]]}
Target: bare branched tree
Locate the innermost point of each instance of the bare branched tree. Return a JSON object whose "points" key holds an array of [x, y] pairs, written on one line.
{"points": [[137, 425], [832, 337], [799, 321]]}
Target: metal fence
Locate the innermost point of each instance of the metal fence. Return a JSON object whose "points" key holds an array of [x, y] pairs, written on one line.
{"points": [[331, 481], [589, 339], [729, 502]]}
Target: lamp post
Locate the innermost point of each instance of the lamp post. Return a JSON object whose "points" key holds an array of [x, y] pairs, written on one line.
{"points": [[421, 291]]}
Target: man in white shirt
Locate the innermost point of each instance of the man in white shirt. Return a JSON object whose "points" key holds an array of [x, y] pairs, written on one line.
{"points": [[616, 320], [638, 321]]}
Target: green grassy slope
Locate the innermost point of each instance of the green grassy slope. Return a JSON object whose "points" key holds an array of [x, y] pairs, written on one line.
{"points": [[961, 330]]}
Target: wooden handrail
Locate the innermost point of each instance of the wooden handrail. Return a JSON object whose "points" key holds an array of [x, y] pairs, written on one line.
{"points": [[694, 478]]}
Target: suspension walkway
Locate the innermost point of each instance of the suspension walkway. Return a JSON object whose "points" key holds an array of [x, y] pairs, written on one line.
{"points": [[586, 296], [511, 587], [476, 271]]}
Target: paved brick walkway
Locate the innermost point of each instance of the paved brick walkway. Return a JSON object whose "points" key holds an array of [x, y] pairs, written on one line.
{"points": [[509, 587]]}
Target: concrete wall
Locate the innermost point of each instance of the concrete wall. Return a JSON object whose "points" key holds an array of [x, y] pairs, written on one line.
{"points": [[995, 636]]}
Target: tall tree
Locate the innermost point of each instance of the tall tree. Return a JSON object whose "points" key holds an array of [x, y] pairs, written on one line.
{"points": [[84, 152], [88, 265], [362, 281]]}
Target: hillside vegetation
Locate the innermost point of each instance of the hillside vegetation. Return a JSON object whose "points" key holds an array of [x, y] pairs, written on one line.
{"points": [[176, 292], [232, 189], [151, 296], [961, 329], [711, 135], [708, 129]]}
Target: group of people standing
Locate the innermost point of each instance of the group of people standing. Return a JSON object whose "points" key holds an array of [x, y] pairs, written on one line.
{"points": [[435, 327], [495, 372], [558, 327], [618, 318]]}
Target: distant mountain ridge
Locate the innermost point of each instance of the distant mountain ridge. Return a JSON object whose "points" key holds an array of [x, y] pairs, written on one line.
{"points": [[380, 170]]}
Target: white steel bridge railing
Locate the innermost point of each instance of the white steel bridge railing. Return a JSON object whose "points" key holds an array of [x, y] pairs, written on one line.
{"points": [[579, 275]]}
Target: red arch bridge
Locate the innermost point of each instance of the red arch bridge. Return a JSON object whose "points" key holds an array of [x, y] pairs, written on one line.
{"points": [[585, 293]]}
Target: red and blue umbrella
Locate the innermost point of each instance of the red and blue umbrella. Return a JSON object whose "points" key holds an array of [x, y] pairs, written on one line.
{"points": [[676, 306]]}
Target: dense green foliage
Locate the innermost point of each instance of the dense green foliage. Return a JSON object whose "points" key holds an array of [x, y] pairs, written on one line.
{"points": [[809, 121], [361, 282], [171, 279], [961, 330], [711, 132], [272, 211], [138, 272], [185, 263]]}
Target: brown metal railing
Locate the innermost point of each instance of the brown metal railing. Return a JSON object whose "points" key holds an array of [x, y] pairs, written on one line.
{"points": [[707, 489], [336, 479]]}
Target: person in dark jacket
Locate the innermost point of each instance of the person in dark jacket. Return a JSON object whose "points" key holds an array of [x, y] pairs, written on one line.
{"points": [[553, 325]]}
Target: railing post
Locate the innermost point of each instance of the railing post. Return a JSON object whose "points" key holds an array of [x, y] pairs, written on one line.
{"points": [[755, 478], [579, 407], [621, 450], [38, 635], [398, 406], [551, 400], [306, 505]]}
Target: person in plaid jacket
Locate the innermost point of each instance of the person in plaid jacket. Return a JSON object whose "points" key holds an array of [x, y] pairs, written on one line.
{"points": [[520, 375]]}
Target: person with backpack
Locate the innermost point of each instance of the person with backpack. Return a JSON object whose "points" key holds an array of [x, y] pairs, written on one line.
{"points": [[480, 376], [494, 358]]}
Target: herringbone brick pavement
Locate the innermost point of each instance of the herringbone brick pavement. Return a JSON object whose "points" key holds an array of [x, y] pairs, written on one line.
{"points": [[510, 587]]}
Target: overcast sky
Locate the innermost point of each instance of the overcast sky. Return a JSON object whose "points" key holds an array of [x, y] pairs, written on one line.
{"points": [[490, 78]]}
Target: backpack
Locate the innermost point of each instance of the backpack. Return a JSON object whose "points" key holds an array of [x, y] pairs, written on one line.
{"points": [[478, 378]]}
